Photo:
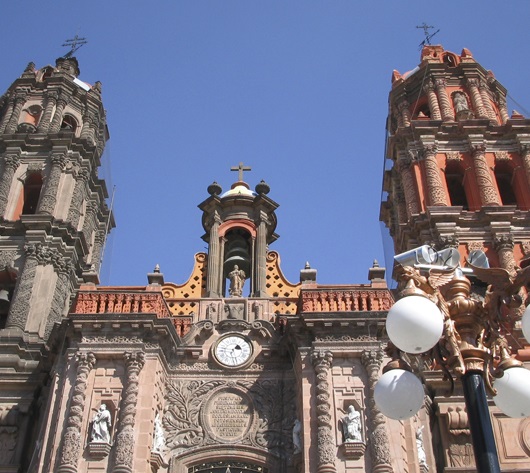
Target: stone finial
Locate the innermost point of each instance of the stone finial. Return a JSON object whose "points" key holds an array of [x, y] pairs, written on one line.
{"points": [[308, 275], [156, 278], [214, 188], [262, 188], [68, 65], [376, 272], [30, 70]]}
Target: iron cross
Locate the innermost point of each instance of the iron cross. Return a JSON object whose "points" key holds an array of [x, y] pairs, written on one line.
{"points": [[241, 168]]}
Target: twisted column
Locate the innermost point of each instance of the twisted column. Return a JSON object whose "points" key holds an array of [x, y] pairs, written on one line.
{"points": [[7, 114], [72, 438], [378, 436], [124, 456], [435, 187], [58, 115], [525, 154], [403, 108], [409, 188], [49, 193], [51, 100], [503, 109], [88, 119], [447, 110], [476, 98], [325, 445], [74, 212], [97, 249], [486, 100], [19, 309], [488, 194], [20, 100], [11, 163], [434, 106], [62, 266], [503, 245]]}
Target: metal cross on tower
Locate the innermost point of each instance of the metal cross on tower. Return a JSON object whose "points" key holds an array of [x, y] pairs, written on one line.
{"points": [[74, 44], [240, 168], [428, 36]]}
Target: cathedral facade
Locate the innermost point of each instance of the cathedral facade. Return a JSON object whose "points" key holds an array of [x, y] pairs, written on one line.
{"points": [[239, 369]]}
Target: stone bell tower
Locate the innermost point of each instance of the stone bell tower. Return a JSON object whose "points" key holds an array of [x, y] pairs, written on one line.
{"points": [[53, 220], [460, 174], [239, 226]]}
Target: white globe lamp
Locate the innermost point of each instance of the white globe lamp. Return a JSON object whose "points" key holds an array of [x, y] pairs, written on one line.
{"points": [[414, 324], [398, 394], [513, 392]]}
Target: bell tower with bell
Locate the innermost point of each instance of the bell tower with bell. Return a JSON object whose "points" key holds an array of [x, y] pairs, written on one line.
{"points": [[239, 225]]}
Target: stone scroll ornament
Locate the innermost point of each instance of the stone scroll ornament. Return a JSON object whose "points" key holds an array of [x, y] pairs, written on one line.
{"points": [[378, 437], [134, 362], [325, 444], [72, 439]]}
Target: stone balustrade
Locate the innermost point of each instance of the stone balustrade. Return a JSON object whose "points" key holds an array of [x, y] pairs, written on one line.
{"points": [[345, 300]]}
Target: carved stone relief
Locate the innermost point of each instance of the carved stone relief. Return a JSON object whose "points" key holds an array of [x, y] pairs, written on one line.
{"points": [[243, 412]]}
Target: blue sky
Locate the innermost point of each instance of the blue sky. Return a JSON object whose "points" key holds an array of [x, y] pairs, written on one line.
{"points": [[298, 90]]}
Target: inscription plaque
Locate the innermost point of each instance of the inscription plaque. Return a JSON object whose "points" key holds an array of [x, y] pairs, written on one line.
{"points": [[229, 415]]}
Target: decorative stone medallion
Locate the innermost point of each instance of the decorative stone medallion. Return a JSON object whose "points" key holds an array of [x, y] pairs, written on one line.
{"points": [[228, 415]]}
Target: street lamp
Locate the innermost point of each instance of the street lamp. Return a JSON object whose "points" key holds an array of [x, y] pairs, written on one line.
{"points": [[465, 334]]}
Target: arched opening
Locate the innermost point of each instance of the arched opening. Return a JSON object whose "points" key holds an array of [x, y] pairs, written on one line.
{"points": [[8, 279], [69, 123], [454, 178], [44, 73], [31, 194], [237, 262], [505, 183], [30, 119], [224, 466], [449, 59]]}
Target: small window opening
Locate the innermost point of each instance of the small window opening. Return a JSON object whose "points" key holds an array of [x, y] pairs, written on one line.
{"points": [[32, 189], [454, 178], [69, 123], [449, 60], [424, 111], [504, 178]]}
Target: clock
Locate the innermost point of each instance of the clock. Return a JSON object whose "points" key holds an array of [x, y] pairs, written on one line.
{"points": [[233, 351]]}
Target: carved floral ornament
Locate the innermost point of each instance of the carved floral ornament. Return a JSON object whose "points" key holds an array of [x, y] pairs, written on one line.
{"points": [[243, 412]]}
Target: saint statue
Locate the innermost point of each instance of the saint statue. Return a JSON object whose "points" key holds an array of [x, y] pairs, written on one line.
{"points": [[237, 279], [101, 425], [297, 440], [159, 442], [460, 102], [422, 458], [351, 426]]}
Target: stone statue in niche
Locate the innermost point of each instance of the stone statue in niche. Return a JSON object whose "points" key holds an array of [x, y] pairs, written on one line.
{"points": [[297, 437], [351, 425], [101, 424], [159, 441], [461, 106], [422, 458], [237, 280]]}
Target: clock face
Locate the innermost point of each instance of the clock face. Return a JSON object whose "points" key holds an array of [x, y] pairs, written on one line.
{"points": [[233, 350]]}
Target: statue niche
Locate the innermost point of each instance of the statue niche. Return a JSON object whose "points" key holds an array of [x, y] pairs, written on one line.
{"points": [[237, 262]]}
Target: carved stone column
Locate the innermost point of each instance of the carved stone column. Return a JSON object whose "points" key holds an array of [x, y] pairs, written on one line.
{"points": [[49, 193], [74, 212], [214, 261], [403, 108], [18, 312], [45, 121], [20, 100], [525, 155], [88, 119], [476, 98], [72, 443], [379, 442], [11, 163], [7, 114], [503, 109], [435, 187], [488, 194], [58, 115], [62, 266], [325, 444], [124, 453], [504, 247], [434, 107], [97, 250], [447, 110], [486, 100], [409, 187], [260, 260]]}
